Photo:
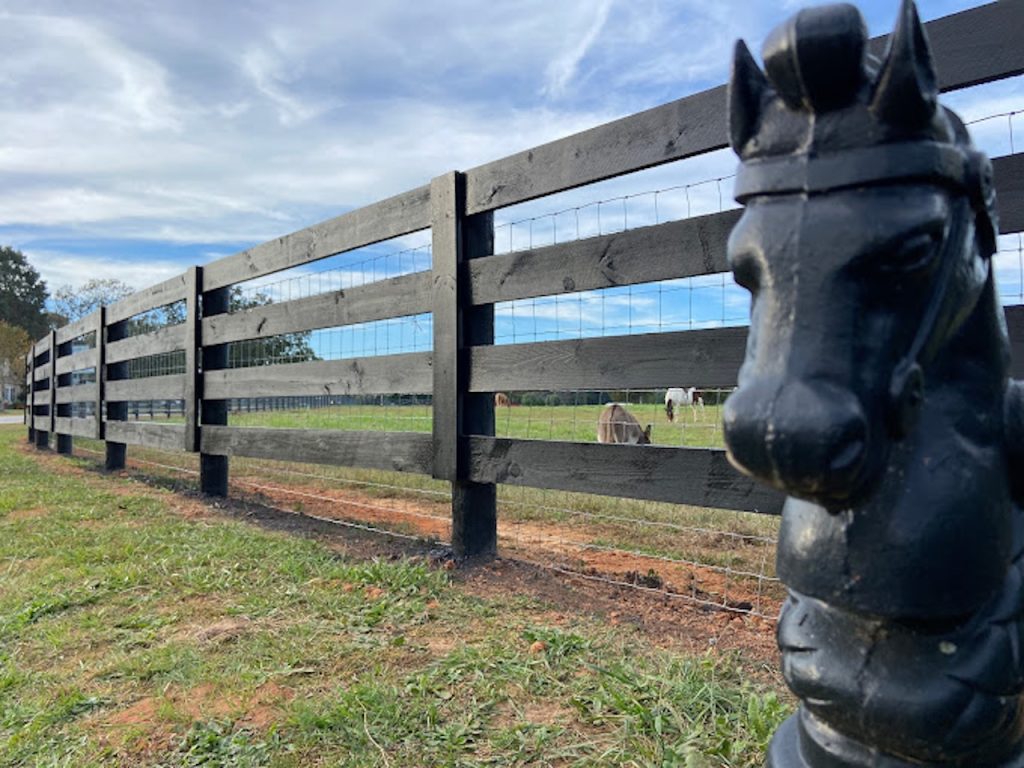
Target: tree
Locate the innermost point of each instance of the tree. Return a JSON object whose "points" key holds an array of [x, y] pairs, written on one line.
{"points": [[14, 346], [74, 303], [286, 348], [22, 294]]}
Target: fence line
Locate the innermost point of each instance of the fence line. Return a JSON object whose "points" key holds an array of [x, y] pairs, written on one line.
{"points": [[197, 354]]}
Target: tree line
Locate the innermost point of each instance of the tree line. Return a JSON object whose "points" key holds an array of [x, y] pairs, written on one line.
{"points": [[28, 311]]}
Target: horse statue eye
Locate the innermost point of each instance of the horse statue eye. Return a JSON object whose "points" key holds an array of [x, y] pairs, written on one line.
{"points": [[913, 254]]}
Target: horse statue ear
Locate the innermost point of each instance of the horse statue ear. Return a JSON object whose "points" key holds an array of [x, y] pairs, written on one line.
{"points": [[747, 88], [906, 91]]}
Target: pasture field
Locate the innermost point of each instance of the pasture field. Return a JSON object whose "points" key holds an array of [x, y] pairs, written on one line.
{"points": [[143, 627], [577, 423]]}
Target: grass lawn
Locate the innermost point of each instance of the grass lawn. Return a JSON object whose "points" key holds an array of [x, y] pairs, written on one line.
{"points": [[544, 422], [141, 627]]}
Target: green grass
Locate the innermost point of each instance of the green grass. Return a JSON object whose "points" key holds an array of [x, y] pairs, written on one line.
{"points": [[577, 423], [132, 634]]}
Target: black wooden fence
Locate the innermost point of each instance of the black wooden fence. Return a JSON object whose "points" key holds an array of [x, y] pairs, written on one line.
{"points": [[464, 367]]}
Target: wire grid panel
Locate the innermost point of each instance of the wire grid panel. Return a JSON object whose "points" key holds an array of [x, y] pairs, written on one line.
{"points": [[710, 558], [383, 413], [573, 416], [337, 273], [396, 335], [391, 503]]}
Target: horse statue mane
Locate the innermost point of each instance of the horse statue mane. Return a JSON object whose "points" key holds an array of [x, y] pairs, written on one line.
{"points": [[875, 393]]}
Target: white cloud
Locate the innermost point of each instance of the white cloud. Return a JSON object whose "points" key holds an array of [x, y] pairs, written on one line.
{"points": [[60, 268]]}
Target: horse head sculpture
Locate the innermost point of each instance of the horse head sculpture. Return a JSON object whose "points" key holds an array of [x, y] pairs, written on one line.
{"points": [[875, 393]]}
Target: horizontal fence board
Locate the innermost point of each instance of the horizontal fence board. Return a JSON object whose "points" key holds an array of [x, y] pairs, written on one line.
{"points": [[168, 339], [79, 327], [41, 372], [694, 246], [41, 346], [1009, 180], [972, 47], [77, 427], [396, 216], [77, 394], [396, 451], [41, 423], [408, 374], [702, 477], [79, 361], [397, 296], [170, 387], [705, 358], [1015, 324], [161, 294], [165, 437]]}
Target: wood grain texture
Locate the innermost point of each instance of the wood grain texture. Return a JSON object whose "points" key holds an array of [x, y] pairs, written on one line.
{"points": [[1009, 178], [79, 361], [79, 327], [78, 427], [445, 196], [165, 437], [41, 372], [168, 339], [159, 295], [80, 393], [698, 476], [1015, 325], [170, 387], [707, 358], [41, 422], [395, 216], [408, 374], [694, 246], [395, 297], [975, 46], [396, 451]]}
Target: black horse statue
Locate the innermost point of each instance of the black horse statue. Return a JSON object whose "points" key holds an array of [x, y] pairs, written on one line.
{"points": [[875, 393]]}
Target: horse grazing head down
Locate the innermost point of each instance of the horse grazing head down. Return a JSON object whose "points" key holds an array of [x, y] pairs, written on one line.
{"points": [[865, 245]]}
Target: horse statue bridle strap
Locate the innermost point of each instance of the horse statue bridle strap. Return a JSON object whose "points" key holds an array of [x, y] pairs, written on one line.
{"points": [[906, 386], [963, 170]]}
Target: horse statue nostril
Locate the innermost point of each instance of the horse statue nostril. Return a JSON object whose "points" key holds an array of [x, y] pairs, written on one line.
{"points": [[849, 456]]}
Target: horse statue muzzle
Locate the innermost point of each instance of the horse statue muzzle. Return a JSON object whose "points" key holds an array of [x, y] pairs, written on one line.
{"points": [[875, 393]]}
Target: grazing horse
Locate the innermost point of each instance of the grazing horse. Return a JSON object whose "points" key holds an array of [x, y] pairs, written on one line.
{"points": [[875, 394], [677, 396], [501, 400], [617, 425]]}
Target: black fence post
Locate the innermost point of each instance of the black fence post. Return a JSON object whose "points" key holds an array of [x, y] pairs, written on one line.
{"points": [[101, 321], [30, 393], [193, 342], [40, 403], [118, 411], [62, 410], [213, 469], [457, 325]]}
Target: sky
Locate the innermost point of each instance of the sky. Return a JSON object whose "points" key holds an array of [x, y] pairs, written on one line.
{"points": [[138, 138]]}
